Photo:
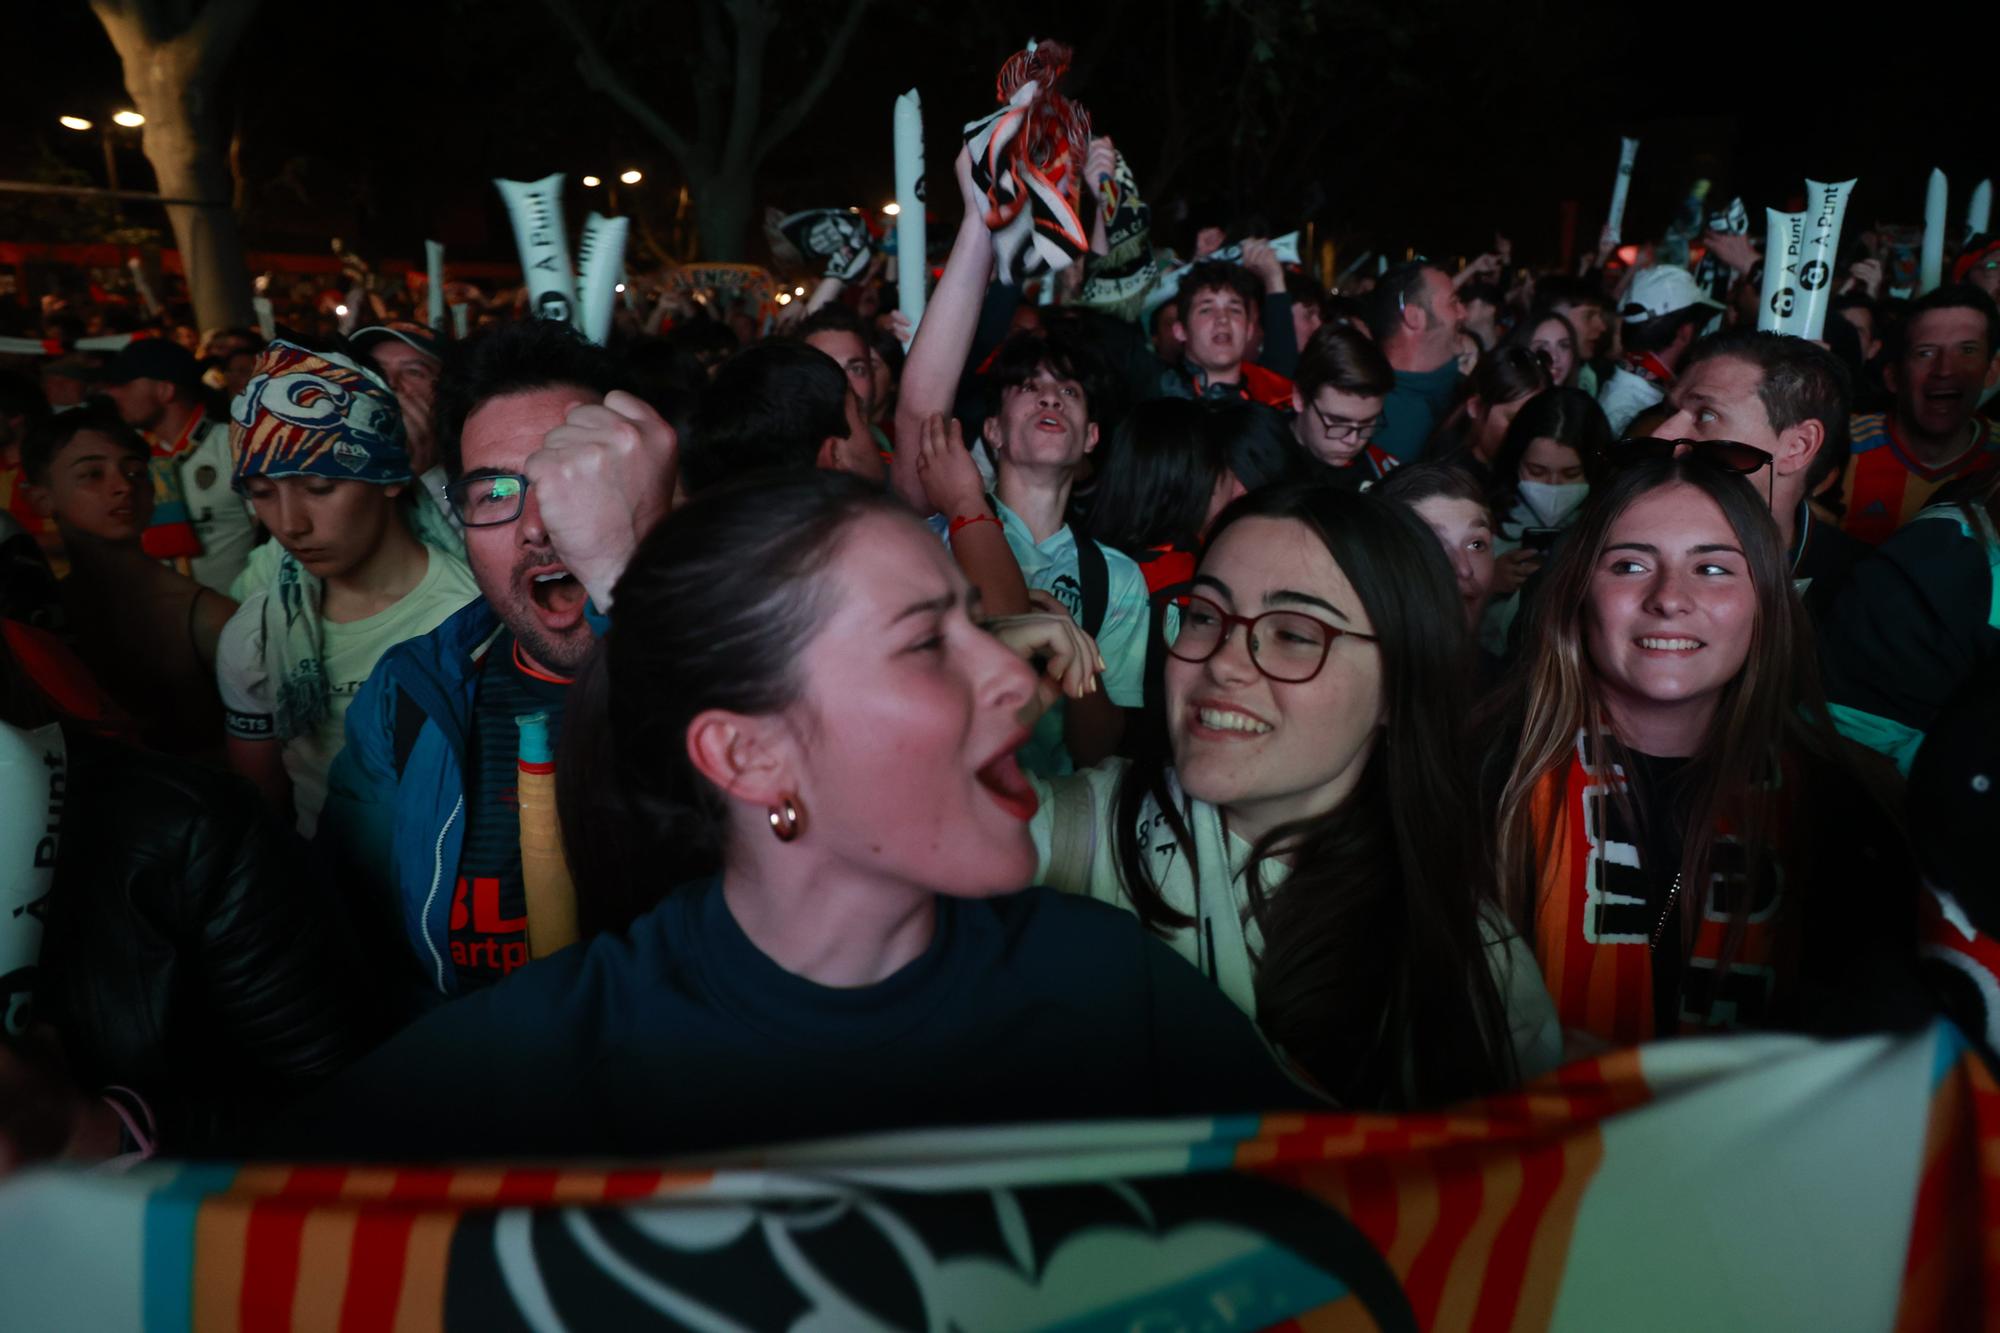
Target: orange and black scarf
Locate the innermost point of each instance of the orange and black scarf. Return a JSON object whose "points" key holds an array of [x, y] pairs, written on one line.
{"points": [[1596, 921]]}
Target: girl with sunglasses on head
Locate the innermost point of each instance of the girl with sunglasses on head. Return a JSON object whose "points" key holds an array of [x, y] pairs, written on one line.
{"points": [[1304, 831], [1681, 832], [788, 791]]}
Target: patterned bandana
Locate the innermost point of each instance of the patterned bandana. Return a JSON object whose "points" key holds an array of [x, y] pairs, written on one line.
{"points": [[318, 414], [1027, 157]]}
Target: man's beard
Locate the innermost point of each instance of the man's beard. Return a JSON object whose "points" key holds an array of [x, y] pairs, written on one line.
{"points": [[560, 652], [566, 655]]}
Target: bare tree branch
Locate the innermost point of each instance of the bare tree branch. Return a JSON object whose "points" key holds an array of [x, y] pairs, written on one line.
{"points": [[793, 113], [597, 72]]}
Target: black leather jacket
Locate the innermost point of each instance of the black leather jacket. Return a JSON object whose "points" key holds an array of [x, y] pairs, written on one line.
{"points": [[191, 954]]}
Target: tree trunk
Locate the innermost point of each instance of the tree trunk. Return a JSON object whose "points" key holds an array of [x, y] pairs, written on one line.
{"points": [[722, 215], [192, 165], [172, 84]]}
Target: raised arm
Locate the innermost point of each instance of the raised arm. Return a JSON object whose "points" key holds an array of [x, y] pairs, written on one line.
{"points": [[944, 337], [605, 477], [952, 487]]}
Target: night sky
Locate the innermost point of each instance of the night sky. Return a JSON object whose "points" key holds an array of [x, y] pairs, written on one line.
{"points": [[1421, 125]]}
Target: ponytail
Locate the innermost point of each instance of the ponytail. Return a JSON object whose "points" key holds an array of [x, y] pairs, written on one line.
{"points": [[712, 612]]}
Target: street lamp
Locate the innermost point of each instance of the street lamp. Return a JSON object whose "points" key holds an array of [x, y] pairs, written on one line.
{"points": [[631, 177], [892, 208], [126, 119]]}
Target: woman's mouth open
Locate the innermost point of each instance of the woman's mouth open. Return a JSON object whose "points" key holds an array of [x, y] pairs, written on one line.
{"points": [[1003, 780]]}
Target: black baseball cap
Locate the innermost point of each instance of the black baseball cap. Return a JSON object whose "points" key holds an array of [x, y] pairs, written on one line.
{"points": [[151, 359]]}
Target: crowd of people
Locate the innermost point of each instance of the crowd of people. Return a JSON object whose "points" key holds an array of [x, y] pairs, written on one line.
{"points": [[787, 723]]}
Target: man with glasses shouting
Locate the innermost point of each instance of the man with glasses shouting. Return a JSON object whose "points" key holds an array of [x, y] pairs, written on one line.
{"points": [[556, 472], [1339, 401]]}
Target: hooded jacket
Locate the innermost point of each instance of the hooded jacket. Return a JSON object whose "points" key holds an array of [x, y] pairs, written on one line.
{"points": [[394, 819]]}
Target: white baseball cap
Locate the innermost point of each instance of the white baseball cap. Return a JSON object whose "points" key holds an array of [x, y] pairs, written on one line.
{"points": [[1660, 291]]}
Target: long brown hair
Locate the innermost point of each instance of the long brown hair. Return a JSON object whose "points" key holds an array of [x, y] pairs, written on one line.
{"points": [[1374, 973], [1771, 712], [713, 611]]}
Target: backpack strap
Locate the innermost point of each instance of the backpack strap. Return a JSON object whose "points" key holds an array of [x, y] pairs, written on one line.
{"points": [[1072, 834], [1093, 576], [1156, 641]]}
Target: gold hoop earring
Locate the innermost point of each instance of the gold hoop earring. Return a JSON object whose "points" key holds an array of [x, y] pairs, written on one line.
{"points": [[788, 820]]}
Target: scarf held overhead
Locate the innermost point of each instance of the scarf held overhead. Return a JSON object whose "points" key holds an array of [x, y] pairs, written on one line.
{"points": [[1026, 158]]}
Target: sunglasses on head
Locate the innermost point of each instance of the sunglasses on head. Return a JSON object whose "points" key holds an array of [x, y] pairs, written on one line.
{"points": [[1731, 456], [1723, 455]]}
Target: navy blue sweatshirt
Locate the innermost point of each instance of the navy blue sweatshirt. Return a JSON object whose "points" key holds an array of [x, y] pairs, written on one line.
{"points": [[680, 1036]]}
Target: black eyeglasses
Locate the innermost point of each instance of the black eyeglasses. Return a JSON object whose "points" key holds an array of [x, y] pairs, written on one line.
{"points": [[1287, 646], [1340, 428], [488, 501], [1732, 456]]}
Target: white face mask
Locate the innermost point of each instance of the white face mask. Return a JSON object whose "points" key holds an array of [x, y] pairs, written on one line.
{"points": [[1554, 505]]}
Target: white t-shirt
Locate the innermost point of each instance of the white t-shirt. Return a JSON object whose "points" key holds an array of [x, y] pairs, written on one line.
{"points": [[1225, 940], [246, 669], [1625, 395], [222, 519]]}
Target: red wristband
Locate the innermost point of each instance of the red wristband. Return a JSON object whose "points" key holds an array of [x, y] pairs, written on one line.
{"points": [[966, 522]]}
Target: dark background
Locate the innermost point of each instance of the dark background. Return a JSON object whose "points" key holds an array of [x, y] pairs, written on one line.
{"points": [[1391, 125]]}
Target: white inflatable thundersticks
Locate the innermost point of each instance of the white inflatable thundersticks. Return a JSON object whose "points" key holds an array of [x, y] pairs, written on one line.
{"points": [[33, 776], [434, 286], [1621, 185], [1930, 259], [912, 263], [1979, 210], [600, 260], [1826, 205], [535, 209], [1784, 237]]}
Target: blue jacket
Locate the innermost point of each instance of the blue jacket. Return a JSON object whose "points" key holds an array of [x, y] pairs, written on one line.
{"points": [[394, 818]]}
